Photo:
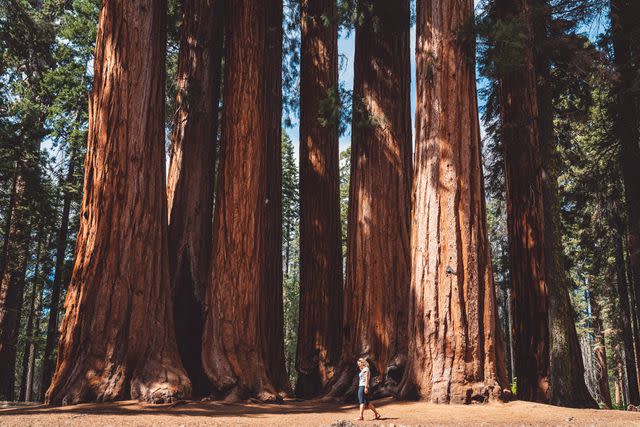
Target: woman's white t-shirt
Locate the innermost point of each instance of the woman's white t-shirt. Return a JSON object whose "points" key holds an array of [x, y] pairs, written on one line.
{"points": [[363, 377]]}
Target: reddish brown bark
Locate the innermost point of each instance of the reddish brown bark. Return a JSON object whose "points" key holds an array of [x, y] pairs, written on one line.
{"points": [[525, 213], [456, 352], [237, 296], [117, 338], [271, 303], [319, 330], [191, 176], [377, 265], [625, 27]]}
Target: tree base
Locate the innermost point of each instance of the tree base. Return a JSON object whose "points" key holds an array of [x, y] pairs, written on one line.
{"points": [[456, 393], [156, 383], [345, 387]]}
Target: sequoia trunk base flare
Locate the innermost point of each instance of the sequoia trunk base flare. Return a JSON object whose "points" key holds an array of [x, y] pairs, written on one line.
{"points": [[319, 334], [238, 298], [456, 353], [377, 270], [191, 176], [117, 338]]}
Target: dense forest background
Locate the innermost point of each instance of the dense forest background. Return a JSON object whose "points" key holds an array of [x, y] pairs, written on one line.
{"points": [[46, 75]]}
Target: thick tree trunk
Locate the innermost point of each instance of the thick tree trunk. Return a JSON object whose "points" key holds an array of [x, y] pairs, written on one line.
{"points": [[566, 367], [456, 352], [117, 337], [48, 360], [600, 355], [319, 330], [191, 176], [30, 336], [12, 290], [378, 264], [625, 25], [525, 212], [232, 351], [271, 302], [625, 320]]}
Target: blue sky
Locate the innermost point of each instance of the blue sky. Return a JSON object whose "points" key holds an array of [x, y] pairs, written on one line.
{"points": [[346, 49]]}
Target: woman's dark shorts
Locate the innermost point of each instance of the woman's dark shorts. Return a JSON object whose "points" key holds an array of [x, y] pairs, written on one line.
{"points": [[362, 398]]}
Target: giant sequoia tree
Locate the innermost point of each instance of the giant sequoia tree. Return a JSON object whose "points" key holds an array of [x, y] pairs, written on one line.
{"points": [[455, 343], [238, 297], [271, 303], [191, 175], [117, 337], [319, 335], [525, 213], [377, 270]]}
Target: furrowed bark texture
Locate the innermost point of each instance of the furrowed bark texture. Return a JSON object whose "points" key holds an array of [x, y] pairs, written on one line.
{"points": [[525, 212], [117, 338], [271, 303], [568, 387], [456, 352], [625, 30], [319, 331], [378, 266], [232, 352], [191, 177]]}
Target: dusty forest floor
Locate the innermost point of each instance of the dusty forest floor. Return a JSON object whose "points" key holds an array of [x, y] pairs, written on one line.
{"points": [[309, 413]]}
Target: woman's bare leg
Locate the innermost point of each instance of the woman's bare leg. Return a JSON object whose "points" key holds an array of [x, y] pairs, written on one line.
{"points": [[361, 412], [373, 408]]}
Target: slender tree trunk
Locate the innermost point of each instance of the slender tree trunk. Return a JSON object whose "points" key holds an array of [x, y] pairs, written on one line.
{"points": [[625, 320], [599, 350], [512, 362], [566, 367], [30, 336], [525, 212], [117, 337], [378, 264], [191, 176], [8, 221], [456, 352], [618, 386], [232, 351], [271, 302], [48, 360], [33, 349], [625, 24], [319, 330], [12, 290]]}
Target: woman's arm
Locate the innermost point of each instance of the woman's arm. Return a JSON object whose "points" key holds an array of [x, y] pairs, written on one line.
{"points": [[366, 382]]}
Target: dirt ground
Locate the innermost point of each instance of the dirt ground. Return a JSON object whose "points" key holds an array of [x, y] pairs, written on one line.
{"points": [[310, 413]]}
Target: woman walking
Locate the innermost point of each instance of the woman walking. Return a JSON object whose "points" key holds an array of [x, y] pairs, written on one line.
{"points": [[363, 389]]}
